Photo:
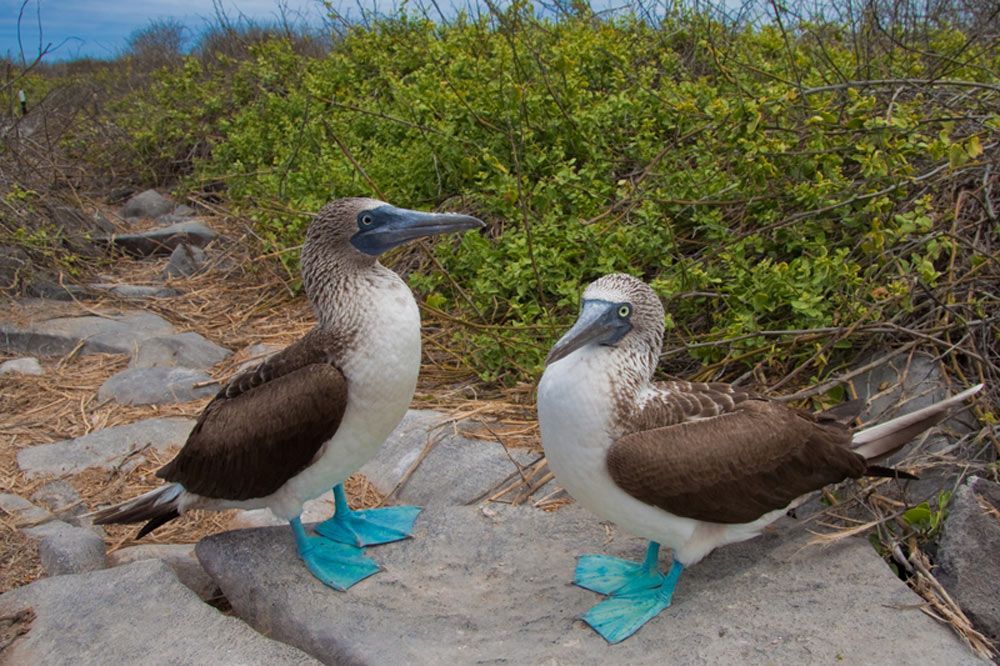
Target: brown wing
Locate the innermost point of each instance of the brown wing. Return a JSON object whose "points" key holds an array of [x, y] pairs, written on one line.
{"points": [[264, 428], [751, 458]]}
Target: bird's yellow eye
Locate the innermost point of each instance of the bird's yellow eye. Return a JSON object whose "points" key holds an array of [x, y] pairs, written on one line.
{"points": [[624, 311], [366, 219]]}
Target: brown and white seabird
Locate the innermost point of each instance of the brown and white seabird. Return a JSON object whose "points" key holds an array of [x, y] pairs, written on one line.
{"points": [[688, 465], [311, 415]]}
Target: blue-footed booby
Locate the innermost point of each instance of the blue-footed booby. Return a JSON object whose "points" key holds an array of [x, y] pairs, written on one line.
{"points": [[688, 465], [311, 415]]}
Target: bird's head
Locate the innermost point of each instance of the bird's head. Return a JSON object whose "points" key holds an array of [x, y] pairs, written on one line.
{"points": [[617, 310], [360, 229]]}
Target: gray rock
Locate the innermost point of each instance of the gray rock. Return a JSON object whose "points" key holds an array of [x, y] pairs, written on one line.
{"points": [[104, 449], [969, 567], [257, 354], [185, 261], [103, 223], [180, 557], [184, 211], [22, 366], [65, 549], [135, 292], [188, 350], [164, 239], [117, 334], [157, 386], [148, 204], [490, 584], [61, 498], [23, 512], [139, 615], [455, 471]]}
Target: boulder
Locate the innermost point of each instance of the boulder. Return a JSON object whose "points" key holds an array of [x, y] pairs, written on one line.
{"points": [[138, 614], [185, 261], [180, 557], [149, 204]]}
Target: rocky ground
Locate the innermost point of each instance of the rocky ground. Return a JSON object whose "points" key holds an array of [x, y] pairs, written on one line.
{"points": [[102, 388]]}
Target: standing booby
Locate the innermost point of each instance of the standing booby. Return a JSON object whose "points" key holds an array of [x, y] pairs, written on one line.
{"points": [[687, 465], [311, 415]]}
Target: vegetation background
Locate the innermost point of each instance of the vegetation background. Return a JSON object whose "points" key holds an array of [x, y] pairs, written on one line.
{"points": [[799, 183]]}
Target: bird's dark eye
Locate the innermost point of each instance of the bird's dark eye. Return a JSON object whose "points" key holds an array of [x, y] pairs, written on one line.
{"points": [[366, 219], [624, 311]]}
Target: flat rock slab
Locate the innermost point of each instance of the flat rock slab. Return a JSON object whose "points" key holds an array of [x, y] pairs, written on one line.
{"points": [[188, 350], [455, 470], [163, 240], [104, 448], [157, 386], [135, 292], [114, 334], [489, 584], [138, 614]]}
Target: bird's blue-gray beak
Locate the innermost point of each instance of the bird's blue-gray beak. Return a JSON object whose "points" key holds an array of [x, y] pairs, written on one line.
{"points": [[385, 227], [600, 322]]}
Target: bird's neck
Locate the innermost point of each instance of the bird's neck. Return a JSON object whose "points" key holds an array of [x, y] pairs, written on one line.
{"points": [[341, 294]]}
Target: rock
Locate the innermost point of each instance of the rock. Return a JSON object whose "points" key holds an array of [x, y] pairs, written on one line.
{"points": [[257, 354], [118, 334], [22, 366], [164, 239], [969, 568], [490, 584], [455, 471], [23, 512], [103, 223], [157, 386], [137, 614], [149, 204], [185, 260], [135, 292], [65, 549], [180, 557], [184, 211], [104, 449], [188, 350], [61, 498]]}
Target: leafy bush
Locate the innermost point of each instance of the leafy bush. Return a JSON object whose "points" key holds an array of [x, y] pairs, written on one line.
{"points": [[785, 175]]}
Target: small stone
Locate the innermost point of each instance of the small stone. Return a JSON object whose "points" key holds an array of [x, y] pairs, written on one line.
{"points": [[65, 549], [185, 261], [104, 449], [103, 223], [22, 366], [24, 513], [148, 204], [157, 386], [180, 558], [61, 498], [188, 350]]}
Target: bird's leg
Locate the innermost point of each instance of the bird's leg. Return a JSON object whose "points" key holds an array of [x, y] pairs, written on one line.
{"points": [[637, 592], [338, 565], [367, 527]]}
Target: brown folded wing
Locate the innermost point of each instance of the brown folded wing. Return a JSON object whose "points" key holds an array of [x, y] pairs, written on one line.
{"points": [[265, 427], [734, 462]]}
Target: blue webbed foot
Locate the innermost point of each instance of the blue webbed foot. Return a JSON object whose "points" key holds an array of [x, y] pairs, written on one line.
{"points": [[637, 591], [338, 565], [367, 527]]}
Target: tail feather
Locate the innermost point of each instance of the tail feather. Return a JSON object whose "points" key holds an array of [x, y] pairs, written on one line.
{"points": [[158, 506], [884, 439]]}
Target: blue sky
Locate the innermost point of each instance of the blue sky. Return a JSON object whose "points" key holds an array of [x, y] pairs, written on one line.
{"points": [[100, 28]]}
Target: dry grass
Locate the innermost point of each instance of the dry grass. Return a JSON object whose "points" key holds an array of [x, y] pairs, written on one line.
{"points": [[248, 303]]}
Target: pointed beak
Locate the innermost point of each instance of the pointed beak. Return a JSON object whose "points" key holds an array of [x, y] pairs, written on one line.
{"points": [[598, 323], [399, 225]]}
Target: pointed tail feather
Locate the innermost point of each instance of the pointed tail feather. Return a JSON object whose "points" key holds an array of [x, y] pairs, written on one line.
{"points": [[157, 506], [886, 438]]}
